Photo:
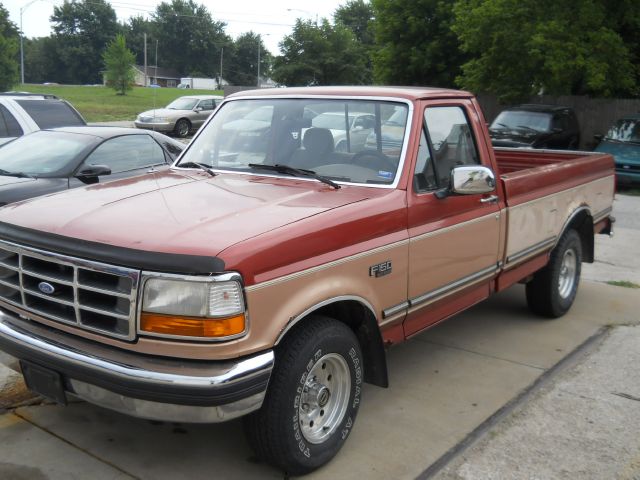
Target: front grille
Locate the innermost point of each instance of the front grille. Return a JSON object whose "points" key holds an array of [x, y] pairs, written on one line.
{"points": [[624, 168], [91, 295]]}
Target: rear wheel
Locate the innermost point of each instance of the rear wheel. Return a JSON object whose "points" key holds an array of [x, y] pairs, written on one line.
{"points": [[553, 289], [182, 128], [313, 397]]}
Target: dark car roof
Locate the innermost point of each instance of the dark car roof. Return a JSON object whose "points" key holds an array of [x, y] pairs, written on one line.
{"points": [[99, 131], [534, 107]]}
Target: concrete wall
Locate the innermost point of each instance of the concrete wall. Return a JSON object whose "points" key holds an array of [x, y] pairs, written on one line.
{"points": [[595, 115]]}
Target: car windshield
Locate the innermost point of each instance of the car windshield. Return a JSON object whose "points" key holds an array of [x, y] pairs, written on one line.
{"points": [[626, 130], [519, 119], [245, 134], [44, 153], [183, 103]]}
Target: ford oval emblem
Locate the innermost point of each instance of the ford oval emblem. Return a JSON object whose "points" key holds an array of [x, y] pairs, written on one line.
{"points": [[46, 287]]}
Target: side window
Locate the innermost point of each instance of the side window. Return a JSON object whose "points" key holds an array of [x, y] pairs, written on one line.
{"points": [[206, 104], [452, 141], [9, 126], [127, 153], [424, 176]]}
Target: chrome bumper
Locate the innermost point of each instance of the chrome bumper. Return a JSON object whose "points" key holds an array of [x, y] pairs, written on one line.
{"points": [[155, 388]]}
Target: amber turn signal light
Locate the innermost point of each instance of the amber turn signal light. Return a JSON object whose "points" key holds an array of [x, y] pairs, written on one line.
{"points": [[191, 326]]}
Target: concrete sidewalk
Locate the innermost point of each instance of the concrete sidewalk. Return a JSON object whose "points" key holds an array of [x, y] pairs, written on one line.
{"points": [[583, 424]]}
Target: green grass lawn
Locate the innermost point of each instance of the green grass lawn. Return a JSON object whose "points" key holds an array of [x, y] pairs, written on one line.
{"points": [[101, 104]]}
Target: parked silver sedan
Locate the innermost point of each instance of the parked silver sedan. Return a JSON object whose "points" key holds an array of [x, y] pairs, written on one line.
{"points": [[180, 116]]}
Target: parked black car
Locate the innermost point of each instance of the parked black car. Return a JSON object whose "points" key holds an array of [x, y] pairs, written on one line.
{"points": [[49, 161], [536, 126]]}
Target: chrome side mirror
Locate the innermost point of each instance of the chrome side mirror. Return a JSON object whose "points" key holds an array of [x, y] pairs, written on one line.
{"points": [[471, 180]]}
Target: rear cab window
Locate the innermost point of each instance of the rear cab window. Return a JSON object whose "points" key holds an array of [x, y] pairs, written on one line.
{"points": [[51, 113], [9, 126]]}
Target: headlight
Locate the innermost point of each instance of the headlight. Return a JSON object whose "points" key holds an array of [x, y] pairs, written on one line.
{"points": [[193, 307]]}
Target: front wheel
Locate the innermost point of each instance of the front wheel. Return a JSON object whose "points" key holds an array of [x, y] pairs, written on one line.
{"points": [[182, 128], [553, 289], [313, 397]]}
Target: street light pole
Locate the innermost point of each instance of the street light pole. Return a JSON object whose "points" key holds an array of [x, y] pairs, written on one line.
{"points": [[22, 9]]}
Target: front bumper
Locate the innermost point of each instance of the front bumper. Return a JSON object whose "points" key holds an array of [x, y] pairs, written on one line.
{"points": [[156, 127], [155, 388]]}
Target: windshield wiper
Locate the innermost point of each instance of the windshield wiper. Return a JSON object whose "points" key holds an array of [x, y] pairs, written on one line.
{"points": [[299, 172], [528, 128], [202, 166], [15, 174]]}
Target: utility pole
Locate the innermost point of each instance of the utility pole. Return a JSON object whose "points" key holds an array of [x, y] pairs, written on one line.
{"points": [[146, 78], [156, 70], [221, 54], [259, 61]]}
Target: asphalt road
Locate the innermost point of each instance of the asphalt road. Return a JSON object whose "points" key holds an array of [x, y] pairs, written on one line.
{"points": [[445, 384]]}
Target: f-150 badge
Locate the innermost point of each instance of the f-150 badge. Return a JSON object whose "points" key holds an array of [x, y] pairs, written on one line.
{"points": [[380, 270]]}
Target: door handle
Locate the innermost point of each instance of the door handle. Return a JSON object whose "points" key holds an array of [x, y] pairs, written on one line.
{"points": [[490, 199]]}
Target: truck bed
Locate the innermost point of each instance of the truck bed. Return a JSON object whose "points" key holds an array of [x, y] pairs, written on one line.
{"points": [[528, 174]]}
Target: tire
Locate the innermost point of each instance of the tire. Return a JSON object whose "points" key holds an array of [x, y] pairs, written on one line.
{"points": [[553, 288], [182, 128], [313, 397]]}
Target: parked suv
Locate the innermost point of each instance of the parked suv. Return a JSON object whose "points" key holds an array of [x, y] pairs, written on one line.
{"points": [[22, 113], [536, 126]]}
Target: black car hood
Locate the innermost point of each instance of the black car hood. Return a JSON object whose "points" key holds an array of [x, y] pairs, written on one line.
{"points": [[516, 137], [14, 189], [10, 180]]}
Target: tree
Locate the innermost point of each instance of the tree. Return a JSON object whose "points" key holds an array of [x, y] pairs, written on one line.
{"points": [[415, 44], [557, 48], [40, 59], [189, 39], [357, 16], [242, 67], [118, 62], [82, 29], [8, 51], [134, 32], [320, 55]]}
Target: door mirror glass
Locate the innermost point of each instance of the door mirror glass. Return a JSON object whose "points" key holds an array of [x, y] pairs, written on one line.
{"points": [[471, 180]]}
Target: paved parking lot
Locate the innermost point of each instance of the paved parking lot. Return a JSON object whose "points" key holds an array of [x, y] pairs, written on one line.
{"points": [[444, 384]]}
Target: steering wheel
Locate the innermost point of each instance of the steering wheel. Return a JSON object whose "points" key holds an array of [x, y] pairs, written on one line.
{"points": [[376, 160]]}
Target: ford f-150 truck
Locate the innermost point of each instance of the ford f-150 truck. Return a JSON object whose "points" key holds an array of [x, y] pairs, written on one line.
{"points": [[265, 274]]}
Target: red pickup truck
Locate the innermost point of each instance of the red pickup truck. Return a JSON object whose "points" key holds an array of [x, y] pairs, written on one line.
{"points": [[265, 273]]}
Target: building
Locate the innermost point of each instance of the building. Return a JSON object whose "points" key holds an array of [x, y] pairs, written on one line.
{"points": [[165, 77]]}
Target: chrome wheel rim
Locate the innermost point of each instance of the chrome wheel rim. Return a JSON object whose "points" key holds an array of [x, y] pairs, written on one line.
{"points": [[183, 129], [567, 277], [325, 398]]}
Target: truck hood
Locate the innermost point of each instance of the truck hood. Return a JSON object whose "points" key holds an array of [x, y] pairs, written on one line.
{"points": [[179, 212], [624, 153]]}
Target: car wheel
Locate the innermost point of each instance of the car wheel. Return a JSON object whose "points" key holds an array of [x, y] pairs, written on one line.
{"points": [[182, 128], [313, 397], [341, 147], [553, 289]]}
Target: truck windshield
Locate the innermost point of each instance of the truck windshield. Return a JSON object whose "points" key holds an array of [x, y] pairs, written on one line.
{"points": [[301, 133], [626, 130]]}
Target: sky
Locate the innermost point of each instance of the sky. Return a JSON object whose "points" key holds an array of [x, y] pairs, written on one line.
{"points": [[273, 19]]}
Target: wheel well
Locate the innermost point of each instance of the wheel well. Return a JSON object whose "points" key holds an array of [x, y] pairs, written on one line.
{"points": [[582, 223], [362, 321]]}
